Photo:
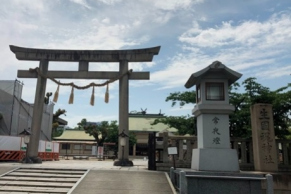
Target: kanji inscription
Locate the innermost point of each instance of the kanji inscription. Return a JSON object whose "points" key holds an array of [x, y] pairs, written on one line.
{"points": [[265, 136], [216, 139]]}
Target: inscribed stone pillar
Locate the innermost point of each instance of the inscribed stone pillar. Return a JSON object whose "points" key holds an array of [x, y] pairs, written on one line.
{"points": [[264, 143], [37, 111]]}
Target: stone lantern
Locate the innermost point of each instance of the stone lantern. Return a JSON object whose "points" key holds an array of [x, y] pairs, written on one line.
{"points": [[212, 111]]}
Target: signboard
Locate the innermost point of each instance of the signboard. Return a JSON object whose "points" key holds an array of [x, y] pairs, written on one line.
{"points": [[23, 145], [48, 146], [94, 150], [172, 150]]}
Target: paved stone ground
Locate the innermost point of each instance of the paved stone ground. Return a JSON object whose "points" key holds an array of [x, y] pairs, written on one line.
{"points": [[124, 182], [105, 178]]}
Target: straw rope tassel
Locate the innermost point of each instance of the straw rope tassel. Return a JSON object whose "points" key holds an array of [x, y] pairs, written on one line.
{"points": [[92, 97], [71, 99], [107, 94], [56, 95]]}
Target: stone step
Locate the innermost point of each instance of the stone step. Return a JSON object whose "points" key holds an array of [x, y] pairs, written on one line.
{"points": [[34, 183], [34, 189], [40, 180], [68, 180], [31, 174], [55, 169], [51, 171]]}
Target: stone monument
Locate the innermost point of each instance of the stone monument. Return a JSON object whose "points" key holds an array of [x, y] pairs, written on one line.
{"points": [[212, 111], [263, 135]]}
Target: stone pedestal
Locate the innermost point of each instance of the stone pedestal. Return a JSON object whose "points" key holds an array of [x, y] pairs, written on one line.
{"points": [[219, 182], [124, 162], [214, 152], [215, 160], [264, 143]]}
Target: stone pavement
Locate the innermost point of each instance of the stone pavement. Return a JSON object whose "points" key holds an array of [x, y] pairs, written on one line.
{"points": [[105, 178]]}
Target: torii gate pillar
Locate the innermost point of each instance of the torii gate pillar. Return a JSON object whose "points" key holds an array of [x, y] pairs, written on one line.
{"points": [[123, 57], [123, 114]]}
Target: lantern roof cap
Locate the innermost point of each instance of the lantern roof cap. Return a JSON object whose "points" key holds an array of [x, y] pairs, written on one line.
{"points": [[213, 71], [25, 132]]}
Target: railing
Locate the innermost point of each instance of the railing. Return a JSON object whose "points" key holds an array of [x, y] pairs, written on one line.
{"points": [[185, 145]]}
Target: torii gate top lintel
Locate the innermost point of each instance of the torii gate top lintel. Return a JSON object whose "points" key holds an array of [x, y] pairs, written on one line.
{"points": [[131, 55]]}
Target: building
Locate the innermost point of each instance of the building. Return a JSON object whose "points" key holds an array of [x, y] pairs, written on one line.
{"points": [[141, 125], [16, 114], [77, 142]]}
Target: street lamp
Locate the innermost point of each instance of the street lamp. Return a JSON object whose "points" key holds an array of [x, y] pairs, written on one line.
{"points": [[122, 143], [26, 137]]}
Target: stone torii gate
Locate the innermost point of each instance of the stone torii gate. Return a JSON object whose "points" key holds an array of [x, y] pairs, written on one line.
{"points": [[123, 57]]}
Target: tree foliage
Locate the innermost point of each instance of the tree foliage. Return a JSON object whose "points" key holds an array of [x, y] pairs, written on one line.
{"points": [[183, 98], [55, 125], [184, 124], [98, 130], [104, 131], [240, 120]]}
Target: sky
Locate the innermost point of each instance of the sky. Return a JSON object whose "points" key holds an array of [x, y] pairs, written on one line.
{"points": [[252, 37]]}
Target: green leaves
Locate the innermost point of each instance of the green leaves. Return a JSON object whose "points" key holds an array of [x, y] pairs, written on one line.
{"points": [[184, 124], [240, 120], [96, 129], [182, 97], [104, 131]]}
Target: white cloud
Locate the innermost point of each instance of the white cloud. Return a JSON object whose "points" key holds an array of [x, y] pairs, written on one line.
{"points": [[274, 31], [274, 72], [173, 4], [248, 45], [190, 32], [110, 2], [82, 2]]}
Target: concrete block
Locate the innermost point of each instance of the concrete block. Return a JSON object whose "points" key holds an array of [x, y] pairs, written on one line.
{"points": [[215, 160]]}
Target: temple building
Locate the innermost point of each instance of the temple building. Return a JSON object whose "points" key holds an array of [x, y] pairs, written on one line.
{"points": [[77, 142]]}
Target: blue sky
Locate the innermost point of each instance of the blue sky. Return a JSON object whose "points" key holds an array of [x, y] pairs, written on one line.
{"points": [[252, 37]]}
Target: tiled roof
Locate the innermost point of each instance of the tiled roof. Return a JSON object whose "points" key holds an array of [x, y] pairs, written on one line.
{"points": [[75, 135], [144, 124]]}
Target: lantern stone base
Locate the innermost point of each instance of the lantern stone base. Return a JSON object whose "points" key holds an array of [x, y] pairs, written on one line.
{"points": [[205, 159], [124, 162]]}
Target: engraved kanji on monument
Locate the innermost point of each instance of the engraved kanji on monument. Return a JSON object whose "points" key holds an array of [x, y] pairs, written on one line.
{"points": [[264, 144]]}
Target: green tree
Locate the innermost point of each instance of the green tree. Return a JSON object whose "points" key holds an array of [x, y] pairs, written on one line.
{"points": [[96, 129], [280, 99], [240, 123], [187, 97], [112, 137], [104, 132], [184, 124], [55, 125]]}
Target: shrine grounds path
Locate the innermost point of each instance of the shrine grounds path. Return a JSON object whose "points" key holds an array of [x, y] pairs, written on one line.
{"points": [[105, 178]]}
